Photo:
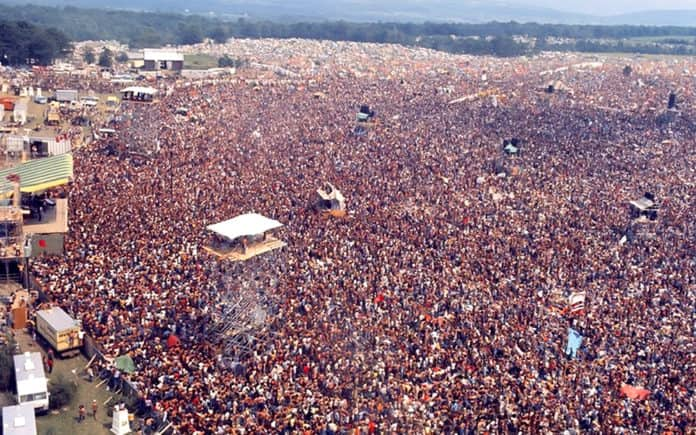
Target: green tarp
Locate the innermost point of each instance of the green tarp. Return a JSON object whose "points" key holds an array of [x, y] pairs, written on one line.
{"points": [[39, 174], [125, 364]]}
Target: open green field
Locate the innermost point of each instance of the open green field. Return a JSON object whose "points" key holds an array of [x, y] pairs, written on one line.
{"points": [[200, 61]]}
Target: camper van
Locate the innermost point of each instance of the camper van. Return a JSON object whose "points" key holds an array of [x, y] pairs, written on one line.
{"points": [[32, 385], [62, 332], [89, 101], [18, 420]]}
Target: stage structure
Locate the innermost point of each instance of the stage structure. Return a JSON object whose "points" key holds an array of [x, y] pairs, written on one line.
{"points": [[12, 251], [243, 237], [139, 93], [247, 297]]}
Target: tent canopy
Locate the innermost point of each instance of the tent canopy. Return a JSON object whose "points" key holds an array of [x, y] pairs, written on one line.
{"points": [[643, 203], [139, 90], [125, 364], [40, 174], [331, 193], [249, 224]]}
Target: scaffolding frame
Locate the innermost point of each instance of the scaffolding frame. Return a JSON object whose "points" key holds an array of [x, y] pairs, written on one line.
{"points": [[12, 227], [240, 318]]}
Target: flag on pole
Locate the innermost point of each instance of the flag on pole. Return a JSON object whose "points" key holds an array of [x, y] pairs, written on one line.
{"points": [[574, 342]]}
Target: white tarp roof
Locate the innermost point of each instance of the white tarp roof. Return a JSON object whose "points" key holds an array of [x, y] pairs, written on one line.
{"points": [[643, 203], [162, 55], [248, 224], [140, 90]]}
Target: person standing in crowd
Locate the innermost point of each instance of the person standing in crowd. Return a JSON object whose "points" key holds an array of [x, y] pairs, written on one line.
{"points": [[81, 413]]}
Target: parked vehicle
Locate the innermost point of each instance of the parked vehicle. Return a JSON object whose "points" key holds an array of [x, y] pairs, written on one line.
{"points": [[32, 386], [62, 332]]}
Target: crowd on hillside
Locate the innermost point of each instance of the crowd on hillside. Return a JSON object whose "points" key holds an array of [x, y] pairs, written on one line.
{"points": [[437, 304]]}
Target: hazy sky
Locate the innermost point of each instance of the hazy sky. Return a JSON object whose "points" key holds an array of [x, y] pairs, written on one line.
{"points": [[607, 7]]}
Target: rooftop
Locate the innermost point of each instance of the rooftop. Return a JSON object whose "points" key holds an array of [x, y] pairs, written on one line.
{"points": [[249, 224], [18, 420], [157, 54]]}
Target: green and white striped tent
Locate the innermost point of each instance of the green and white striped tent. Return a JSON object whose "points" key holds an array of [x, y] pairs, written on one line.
{"points": [[39, 174]]}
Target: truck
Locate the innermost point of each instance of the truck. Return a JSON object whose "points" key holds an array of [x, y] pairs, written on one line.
{"points": [[53, 114], [63, 333], [32, 385], [66, 95]]}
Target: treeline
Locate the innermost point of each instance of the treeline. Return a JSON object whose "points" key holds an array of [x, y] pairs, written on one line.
{"points": [[139, 29], [22, 43]]}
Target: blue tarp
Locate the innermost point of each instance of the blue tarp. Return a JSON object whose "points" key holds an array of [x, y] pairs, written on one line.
{"points": [[574, 342]]}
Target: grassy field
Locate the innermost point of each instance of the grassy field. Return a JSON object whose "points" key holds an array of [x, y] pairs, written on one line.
{"points": [[200, 61], [65, 420]]}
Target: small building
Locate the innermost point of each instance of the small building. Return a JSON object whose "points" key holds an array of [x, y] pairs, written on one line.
{"points": [[162, 59], [18, 420], [33, 179], [243, 237], [66, 95], [139, 93], [20, 111]]}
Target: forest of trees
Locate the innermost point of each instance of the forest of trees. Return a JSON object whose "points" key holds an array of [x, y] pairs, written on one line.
{"points": [[139, 29], [22, 43]]}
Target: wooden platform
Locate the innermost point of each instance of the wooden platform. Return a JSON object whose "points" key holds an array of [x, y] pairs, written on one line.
{"points": [[54, 220], [252, 250]]}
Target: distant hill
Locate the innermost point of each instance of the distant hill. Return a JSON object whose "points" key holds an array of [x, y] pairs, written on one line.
{"points": [[471, 11], [654, 18]]}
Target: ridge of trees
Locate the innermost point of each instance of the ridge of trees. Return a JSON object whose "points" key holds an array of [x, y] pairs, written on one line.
{"points": [[143, 29], [22, 43]]}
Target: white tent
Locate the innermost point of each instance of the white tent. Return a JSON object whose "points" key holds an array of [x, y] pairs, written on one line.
{"points": [[19, 115], [643, 203], [249, 224], [140, 90], [331, 198], [138, 93]]}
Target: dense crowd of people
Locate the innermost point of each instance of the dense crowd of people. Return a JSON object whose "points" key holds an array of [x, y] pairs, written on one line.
{"points": [[437, 304]]}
